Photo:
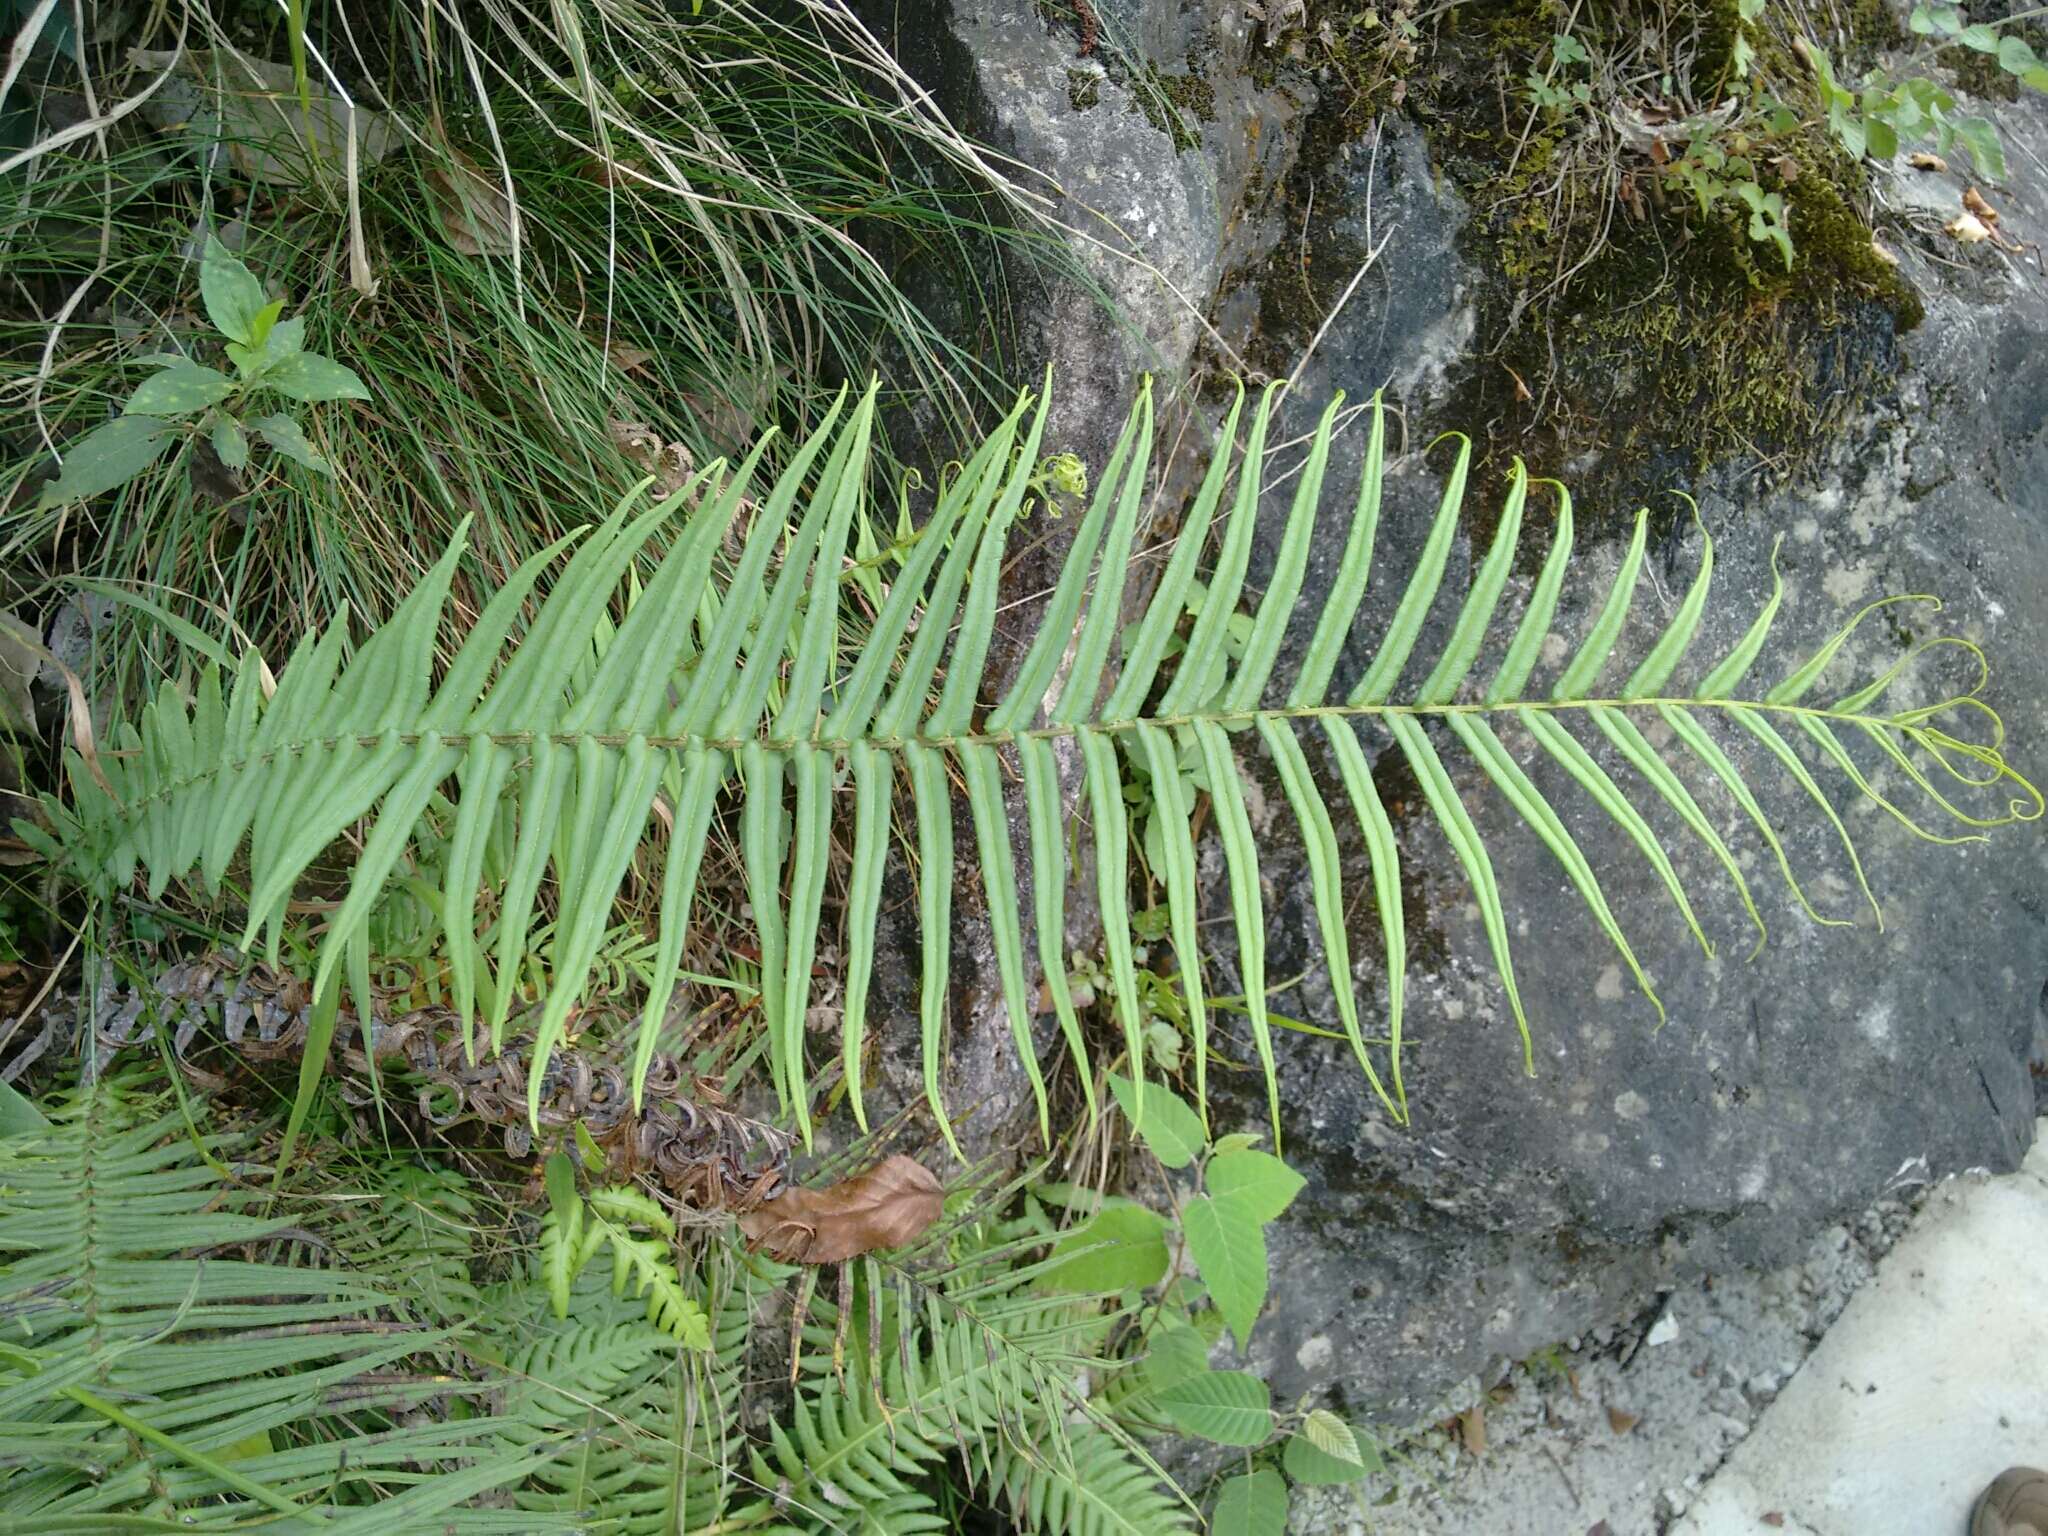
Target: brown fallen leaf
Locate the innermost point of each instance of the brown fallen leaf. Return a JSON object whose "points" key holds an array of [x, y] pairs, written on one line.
{"points": [[1921, 160], [252, 107], [1621, 1421], [1968, 228], [475, 213], [1775, 1519], [628, 359], [892, 1204], [1472, 1429], [1974, 201], [671, 464]]}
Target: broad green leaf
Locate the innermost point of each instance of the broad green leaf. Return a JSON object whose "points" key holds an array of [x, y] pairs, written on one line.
{"points": [[1980, 136], [108, 457], [1171, 1130], [285, 339], [559, 1174], [261, 327], [1173, 1353], [1332, 1436], [1228, 1244], [1129, 1245], [231, 442], [1258, 1181], [1312, 1464], [309, 377], [178, 390], [1228, 1407], [233, 297], [283, 434], [1252, 1505], [19, 1117]]}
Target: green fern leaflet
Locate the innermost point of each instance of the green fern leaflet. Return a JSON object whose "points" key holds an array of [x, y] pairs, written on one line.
{"points": [[542, 756]]}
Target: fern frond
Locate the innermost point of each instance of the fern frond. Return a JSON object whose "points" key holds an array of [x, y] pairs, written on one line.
{"points": [[1097, 1490], [153, 1368], [721, 684]]}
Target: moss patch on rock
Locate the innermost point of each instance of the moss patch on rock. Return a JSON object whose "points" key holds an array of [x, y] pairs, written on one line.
{"points": [[1621, 330], [1641, 337]]}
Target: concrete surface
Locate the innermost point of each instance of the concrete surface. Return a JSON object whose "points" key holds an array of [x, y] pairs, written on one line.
{"points": [[1933, 1381], [1746, 1395]]}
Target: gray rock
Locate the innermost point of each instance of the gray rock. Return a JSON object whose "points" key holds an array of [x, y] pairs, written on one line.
{"points": [[1782, 1090], [1157, 201], [1779, 1092]]}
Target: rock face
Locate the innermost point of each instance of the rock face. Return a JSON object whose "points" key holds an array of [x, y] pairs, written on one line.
{"points": [[1780, 1090], [1783, 1089]]}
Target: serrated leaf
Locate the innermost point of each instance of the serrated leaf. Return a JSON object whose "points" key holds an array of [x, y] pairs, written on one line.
{"points": [[1228, 1407], [1332, 1436], [107, 457], [1307, 1462], [1260, 1182], [309, 377], [283, 434], [179, 390], [1171, 1130], [1174, 1353], [1228, 1245], [231, 442], [1131, 1255], [232, 295], [1253, 1505]]}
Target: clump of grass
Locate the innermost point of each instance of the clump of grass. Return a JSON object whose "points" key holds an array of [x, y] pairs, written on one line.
{"points": [[689, 226]]}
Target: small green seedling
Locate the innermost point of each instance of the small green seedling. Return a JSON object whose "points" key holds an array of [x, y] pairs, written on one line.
{"points": [[184, 399]]}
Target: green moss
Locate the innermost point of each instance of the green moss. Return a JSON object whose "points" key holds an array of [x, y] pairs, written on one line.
{"points": [[1190, 92], [1084, 89], [1624, 324]]}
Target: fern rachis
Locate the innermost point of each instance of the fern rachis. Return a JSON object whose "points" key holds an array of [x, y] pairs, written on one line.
{"points": [[723, 685]]}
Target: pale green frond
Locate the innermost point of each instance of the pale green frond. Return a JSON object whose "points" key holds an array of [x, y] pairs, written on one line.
{"points": [[1476, 616], [1319, 840], [1247, 903], [1406, 626], [728, 692], [1527, 646], [1520, 791], [1465, 841], [1657, 667], [1333, 624], [1577, 679], [1170, 811]]}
